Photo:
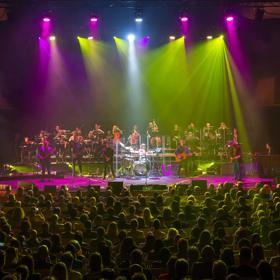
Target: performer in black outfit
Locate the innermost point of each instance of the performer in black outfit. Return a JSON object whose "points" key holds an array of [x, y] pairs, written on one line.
{"points": [[183, 154], [108, 155], [44, 154], [77, 149], [236, 159]]}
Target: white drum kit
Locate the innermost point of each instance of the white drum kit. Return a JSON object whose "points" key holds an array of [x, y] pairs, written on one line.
{"points": [[136, 162]]}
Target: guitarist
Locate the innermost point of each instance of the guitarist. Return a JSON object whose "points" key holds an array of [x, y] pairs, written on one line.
{"points": [[108, 155], [44, 155], [182, 154], [77, 149]]}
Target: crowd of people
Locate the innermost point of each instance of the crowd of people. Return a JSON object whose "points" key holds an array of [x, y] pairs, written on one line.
{"points": [[224, 232]]}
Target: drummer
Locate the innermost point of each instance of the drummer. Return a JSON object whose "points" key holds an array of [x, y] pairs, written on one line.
{"points": [[142, 152]]}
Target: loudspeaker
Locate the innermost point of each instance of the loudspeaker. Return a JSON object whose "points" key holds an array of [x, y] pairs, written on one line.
{"points": [[26, 185], [200, 183], [143, 188], [116, 187], [50, 188]]}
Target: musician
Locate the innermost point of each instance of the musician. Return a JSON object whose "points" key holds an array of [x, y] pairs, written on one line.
{"points": [[208, 134], [222, 133], [268, 149], [44, 154], [153, 134], [191, 129], [108, 156], [176, 134], [117, 133], [109, 136], [60, 142], [98, 135], [77, 150], [182, 154], [134, 137], [236, 159], [26, 149]]}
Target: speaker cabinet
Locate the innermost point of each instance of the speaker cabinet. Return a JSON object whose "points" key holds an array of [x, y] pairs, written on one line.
{"points": [[50, 188], [116, 187]]}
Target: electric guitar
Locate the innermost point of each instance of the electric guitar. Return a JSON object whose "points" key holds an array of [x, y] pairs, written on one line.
{"points": [[182, 156], [43, 157]]}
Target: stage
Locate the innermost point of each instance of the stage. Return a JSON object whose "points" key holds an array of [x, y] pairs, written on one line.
{"points": [[82, 182]]}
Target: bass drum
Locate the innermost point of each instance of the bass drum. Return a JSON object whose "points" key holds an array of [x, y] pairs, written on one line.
{"points": [[141, 168]]}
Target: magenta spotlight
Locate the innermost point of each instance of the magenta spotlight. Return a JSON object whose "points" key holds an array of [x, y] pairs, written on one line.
{"points": [[229, 18], [184, 18], [94, 19], [46, 19]]}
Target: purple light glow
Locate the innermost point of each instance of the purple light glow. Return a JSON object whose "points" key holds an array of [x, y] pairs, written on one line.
{"points": [[94, 19], [229, 18], [46, 19], [184, 19]]}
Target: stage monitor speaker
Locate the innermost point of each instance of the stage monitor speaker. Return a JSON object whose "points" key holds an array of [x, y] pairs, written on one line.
{"points": [[148, 188], [116, 187], [136, 188], [200, 183], [50, 188], [26, 185]]}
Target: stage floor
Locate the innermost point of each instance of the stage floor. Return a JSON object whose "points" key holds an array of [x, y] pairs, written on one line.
{"points": [[75, 183]]}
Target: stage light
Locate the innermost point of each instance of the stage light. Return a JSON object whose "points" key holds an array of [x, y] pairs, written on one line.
{"points": [[52, 38], [90, 37], [46, 19], [130, 37], [184, 15], [138, 15], [94, 18], [209, 37], [229, 18], [171, 38], [184, 18]]}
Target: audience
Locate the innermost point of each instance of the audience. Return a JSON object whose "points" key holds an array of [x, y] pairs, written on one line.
{"points": [[228, 232]]}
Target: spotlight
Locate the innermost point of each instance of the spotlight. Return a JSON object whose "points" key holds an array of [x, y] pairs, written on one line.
{"points": [[171, 38], [46, 19], [138, 15], [229, 18], [184, 19], [90, 37], [209, 37], [52, 38], [130, 37], [184, 15], [94, 18], [221, 36]]}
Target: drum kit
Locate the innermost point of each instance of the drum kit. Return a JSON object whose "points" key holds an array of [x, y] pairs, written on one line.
{"points": [[136, 162]]}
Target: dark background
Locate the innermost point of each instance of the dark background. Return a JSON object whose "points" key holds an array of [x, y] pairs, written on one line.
{"points": [[24, 113]]}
